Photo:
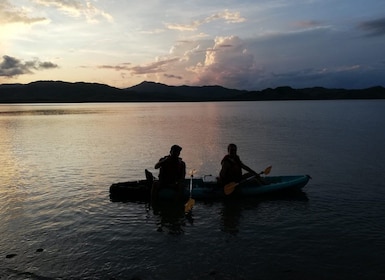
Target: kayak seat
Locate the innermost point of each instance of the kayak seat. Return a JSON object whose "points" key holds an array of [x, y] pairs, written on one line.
{"points": [[149, 177]]}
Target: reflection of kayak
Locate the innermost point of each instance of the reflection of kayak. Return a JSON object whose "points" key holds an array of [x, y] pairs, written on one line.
{"points": [[141, 190]]}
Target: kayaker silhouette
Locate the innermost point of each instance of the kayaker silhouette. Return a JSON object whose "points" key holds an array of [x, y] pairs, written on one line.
{"points": [[172, 171], [232, 167]]}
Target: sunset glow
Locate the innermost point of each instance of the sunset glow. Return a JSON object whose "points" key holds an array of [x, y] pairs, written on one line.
{"points": [[236, 44]]}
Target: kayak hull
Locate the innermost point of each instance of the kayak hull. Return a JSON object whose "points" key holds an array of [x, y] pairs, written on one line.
{"points": [[141, 189]]}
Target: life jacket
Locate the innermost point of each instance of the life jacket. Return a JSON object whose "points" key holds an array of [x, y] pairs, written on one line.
{"points": [[231, 169], [172, 170]]}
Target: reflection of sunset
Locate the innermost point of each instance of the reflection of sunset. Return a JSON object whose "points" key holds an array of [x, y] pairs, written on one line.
{"points": [[9, 171], [12, 195], [187, 128], [44, 140]]}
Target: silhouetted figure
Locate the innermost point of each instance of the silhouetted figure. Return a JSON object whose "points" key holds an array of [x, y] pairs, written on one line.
{"points": [[232, 166], [172, 171]]}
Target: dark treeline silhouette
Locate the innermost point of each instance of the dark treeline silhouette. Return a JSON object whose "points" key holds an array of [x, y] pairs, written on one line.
{"points": [[58, 91]]}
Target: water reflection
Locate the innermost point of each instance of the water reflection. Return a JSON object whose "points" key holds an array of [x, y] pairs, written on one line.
{"points": [[49, 109], [231, 211], [171, 216]]}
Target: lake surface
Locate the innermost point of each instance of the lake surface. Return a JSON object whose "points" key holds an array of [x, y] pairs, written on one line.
{"points": [[58, 161]]}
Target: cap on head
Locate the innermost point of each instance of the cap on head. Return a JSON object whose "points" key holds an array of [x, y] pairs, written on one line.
{"points": [[175, 148]]}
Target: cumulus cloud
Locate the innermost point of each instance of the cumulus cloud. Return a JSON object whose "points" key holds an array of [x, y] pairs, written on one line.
{"points": [[227, 63], [226, 15], [11, 14], [224, 61], [373, 27], [11, 66], [76, 8]]}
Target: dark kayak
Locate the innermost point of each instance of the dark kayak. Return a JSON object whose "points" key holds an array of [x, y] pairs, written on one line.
{"points": [[141, 189]]}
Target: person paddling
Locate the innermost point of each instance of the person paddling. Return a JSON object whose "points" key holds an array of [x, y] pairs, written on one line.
{"points": [[232, 167]]}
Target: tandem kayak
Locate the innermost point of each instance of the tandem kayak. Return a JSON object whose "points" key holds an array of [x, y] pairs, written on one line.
{"points": [[201, 189]]}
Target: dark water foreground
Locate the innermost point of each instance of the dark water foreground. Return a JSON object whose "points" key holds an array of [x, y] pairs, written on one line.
{"points": [[58, 222], [302, 236]]}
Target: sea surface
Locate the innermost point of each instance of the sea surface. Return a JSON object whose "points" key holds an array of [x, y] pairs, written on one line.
{"points": [[58, 161]]}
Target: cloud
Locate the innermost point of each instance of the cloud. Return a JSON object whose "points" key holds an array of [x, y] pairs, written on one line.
{"points": [[170, 76], [227, 63], [224, 61], [158, 66], [12, 14], [44, 65], [349, 76], [154, 67], [120, 67], [226, 15], [229, 17], [76, 8], [373, 27], [301, 57], [11, 66]]}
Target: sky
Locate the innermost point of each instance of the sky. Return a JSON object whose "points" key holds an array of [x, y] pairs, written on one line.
{"points": [[240, 44]]}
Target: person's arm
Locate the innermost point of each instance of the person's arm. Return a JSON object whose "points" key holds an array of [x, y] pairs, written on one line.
{"points": [[248, 169], [160, 162]]}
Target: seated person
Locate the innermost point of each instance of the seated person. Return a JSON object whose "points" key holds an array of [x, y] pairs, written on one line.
{"points": [[172, 170], [232, 166]]}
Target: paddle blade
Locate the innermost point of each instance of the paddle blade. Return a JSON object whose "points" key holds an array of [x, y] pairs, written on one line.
{"points": [[267, 170], [229, 188], [189, 205]]}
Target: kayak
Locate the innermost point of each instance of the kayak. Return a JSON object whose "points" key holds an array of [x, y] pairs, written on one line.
{"points": [[202, 189]]}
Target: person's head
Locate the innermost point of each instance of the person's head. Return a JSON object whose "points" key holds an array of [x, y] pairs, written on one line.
{"points": [[175, 150], [232, 149]]}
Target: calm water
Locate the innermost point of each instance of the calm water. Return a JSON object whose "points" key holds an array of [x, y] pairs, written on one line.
{"points": [[58, 161]]}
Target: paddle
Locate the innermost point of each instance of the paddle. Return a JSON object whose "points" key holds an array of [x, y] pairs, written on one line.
{"points": [[190, 203], [229, 188]]}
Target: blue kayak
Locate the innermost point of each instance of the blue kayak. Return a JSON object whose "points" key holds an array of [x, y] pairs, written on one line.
{"points": [[201, 189]]}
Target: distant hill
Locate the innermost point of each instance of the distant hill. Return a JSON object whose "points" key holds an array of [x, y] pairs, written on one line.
{"points": [[59, 91], [161, 92], [56, 91]]}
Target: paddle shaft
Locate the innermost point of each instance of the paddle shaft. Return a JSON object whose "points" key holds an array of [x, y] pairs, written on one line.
{"points": [[229, 188], [190, 203]]}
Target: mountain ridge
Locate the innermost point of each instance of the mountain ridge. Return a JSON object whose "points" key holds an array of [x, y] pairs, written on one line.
{"points": [[60, 91]]}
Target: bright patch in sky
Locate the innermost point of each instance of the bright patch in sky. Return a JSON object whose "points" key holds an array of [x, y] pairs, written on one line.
{"points": [[247, 44]]}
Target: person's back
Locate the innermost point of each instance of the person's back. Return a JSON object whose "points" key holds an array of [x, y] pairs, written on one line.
{"points": [[172, 168]]}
